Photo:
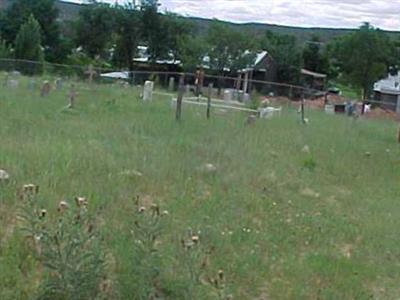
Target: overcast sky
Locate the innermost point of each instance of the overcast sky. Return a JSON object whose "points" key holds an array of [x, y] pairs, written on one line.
{"points": [[306, 13]]}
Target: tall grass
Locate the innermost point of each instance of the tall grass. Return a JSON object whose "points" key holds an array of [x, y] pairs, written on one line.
{"points": [[278, 222]]}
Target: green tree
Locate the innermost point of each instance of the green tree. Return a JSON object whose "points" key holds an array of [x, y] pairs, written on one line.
{"points": [[128, 35], [46, 14], [28, 45], [314, 58], [363, 57], [94, 27], [191, 52], [5, 50], [286, 54], [229, 48]]}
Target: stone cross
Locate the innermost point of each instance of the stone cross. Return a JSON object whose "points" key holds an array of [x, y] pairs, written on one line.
{"points": [[91, 73], [45, 90], [72, 96]]}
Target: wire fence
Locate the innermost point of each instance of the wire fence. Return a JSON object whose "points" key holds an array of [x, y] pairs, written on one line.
{"points": [[251, 92]]}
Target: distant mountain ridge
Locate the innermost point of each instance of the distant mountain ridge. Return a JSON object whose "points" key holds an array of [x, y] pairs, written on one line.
{"points": [[69, 11]]}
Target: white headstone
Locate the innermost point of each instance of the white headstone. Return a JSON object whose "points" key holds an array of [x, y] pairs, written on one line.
{"points": [[228, 95], [13, 83], [330, 109], [246, 98], [58, 83], [171, 86], [148, 91], [32, 84]]}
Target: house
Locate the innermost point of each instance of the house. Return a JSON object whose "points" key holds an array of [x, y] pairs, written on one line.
{"points": [[261, 69], [387, 92]]}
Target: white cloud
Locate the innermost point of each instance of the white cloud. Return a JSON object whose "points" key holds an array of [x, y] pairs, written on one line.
{"points": [[306, 13]]}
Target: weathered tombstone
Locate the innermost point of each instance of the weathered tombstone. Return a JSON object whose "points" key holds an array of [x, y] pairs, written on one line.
{"points": [[13, 83], [58, 84], [398, 105], [251, 119], [330, 109], [32, 84], [228, 95], [71, 96], [45, 90], [91, 73], [6, 78], [148, 91], [15, 73], [171, 85], [246, 98], [187, 89]]}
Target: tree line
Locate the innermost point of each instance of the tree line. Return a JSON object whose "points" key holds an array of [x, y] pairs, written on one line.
{"points": [[109, 35]]}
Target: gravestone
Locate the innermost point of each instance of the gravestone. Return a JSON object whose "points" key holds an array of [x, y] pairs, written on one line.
{"points": [[246, 98], [45, 90], [15, 73], [148, 91], [13, 83], [58, 84], [91, 73], [398, 105], [228, 95], [187, 88], [6, 78], [171, 85], [71, 97], [32, 84]]}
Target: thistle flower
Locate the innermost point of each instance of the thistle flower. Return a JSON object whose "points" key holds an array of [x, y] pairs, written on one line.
{"points": [[43, 213], [221, 275], [155, 209], [31, 188], [195, 239], [62, 206], [81, 201]]}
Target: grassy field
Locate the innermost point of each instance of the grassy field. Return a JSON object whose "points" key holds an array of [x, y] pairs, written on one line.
{"points": [[280, 221]]}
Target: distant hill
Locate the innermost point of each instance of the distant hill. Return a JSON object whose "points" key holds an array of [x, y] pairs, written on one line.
{"points": [[69, 11]]}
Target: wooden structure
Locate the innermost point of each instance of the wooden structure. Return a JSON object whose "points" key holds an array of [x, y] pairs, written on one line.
{"points": [[314, 80]]}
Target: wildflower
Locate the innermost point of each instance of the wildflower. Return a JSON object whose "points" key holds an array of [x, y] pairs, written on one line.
{"points": [[43, 213], [156, 209], [81, 201], [165, 213], [195, 239], [142, 209], [62, 206], [221, 274], [31, 188]]}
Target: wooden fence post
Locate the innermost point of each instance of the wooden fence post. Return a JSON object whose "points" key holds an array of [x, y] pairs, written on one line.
{"points": [[210, 88], [181, 90], [302, 108]]}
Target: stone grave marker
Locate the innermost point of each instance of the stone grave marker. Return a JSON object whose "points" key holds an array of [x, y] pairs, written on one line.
{"points": [[58, 84], [228, 95], [32, 84], [148, 91], [13, 83], [91, 73], [45, 90], [171, 85], [71, 97]]}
